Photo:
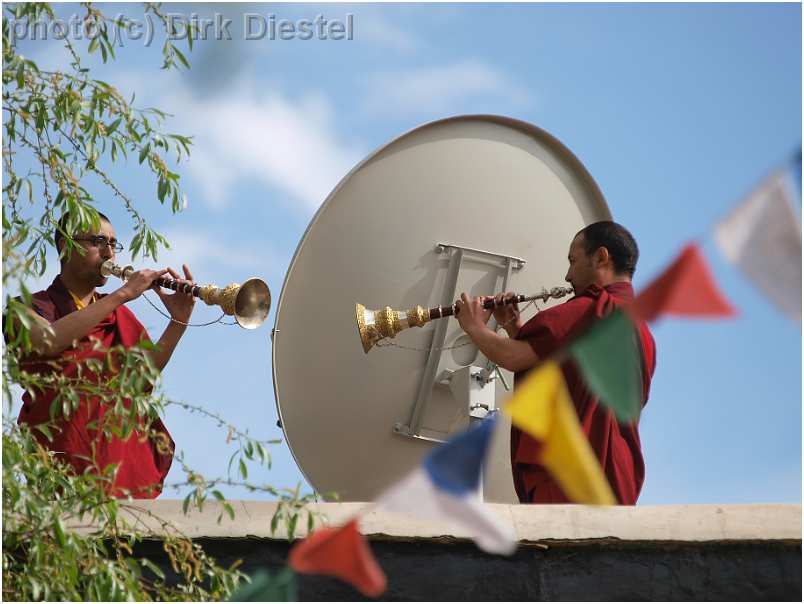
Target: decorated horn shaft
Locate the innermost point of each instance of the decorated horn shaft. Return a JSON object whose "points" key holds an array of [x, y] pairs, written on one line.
{"points": [[375, 325], [248, 303]]}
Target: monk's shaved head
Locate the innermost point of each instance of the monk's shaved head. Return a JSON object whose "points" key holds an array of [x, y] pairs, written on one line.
{"points": [[617, 240]]}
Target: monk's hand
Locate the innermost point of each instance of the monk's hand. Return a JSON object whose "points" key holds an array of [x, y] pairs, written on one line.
{"points": [[179, 304], [471, 314], [505, 313], [139, 282]]}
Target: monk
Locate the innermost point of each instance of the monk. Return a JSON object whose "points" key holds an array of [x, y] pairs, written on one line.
{"points": [[73, 323], [602, 261]]}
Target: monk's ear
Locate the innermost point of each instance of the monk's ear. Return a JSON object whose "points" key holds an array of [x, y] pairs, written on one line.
{"points": [[59, 247], [601, 257]]}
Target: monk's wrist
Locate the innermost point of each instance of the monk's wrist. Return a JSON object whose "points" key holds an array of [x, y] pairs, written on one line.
{"points": [[177, 326], [475, 330], [120, 296]]}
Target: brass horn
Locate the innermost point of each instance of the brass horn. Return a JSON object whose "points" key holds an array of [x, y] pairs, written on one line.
{"points": [[248, 303], [374, 325]]}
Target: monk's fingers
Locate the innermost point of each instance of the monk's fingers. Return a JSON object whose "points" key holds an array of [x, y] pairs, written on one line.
{"points": [[187, 272], [460, 303], [154, 285], [157, 274], [177, 277]]}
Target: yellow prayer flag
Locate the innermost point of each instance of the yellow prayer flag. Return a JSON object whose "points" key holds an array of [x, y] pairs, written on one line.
{"points": [[531, 406], [542, 407]]}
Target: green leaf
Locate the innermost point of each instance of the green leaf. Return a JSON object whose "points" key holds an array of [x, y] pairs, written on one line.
{"points": [[153, 568], [45, 430], [181, 57], [58, 529], [113, 126], [144, 152], [110, 46], [294, 520], [231, 461], [136, 244], [41, 115], [243, 469]]}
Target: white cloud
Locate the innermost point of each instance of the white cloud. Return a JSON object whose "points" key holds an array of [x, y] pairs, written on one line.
{"points": [[242, 134], [284, 143], [204, 252], [378, 30], [440, 88]]}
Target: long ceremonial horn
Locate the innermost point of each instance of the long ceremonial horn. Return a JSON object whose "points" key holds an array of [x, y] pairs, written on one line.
{"points": [[248, 303], [374, 325]]}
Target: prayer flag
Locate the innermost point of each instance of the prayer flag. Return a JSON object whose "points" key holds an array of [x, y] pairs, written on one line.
{"points": [[265, 587], [542, 407], [685, 288], [609, 359], [446, 488], [762, 237], [340, 552]]}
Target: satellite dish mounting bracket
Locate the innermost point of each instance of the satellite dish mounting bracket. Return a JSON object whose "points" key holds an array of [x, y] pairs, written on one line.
{"points": [[413, 429]]}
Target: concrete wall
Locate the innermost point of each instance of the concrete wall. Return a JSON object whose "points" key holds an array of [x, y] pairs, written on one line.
{"points": [[702, 552]]}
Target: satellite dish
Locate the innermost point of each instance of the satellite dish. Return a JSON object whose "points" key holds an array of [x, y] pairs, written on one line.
{"points": [[471, 203]]}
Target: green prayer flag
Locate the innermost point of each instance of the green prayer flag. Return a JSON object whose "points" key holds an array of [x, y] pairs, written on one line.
{"points": [[265, 587], [610, 361]]}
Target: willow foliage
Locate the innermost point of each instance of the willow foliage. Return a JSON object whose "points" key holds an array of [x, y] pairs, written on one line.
{"points": [[64, 538]]}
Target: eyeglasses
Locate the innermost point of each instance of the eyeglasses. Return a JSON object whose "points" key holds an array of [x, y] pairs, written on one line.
{"points": [[102, 241]]}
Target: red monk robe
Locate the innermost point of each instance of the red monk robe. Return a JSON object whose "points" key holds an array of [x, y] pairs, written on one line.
{"points": [[143, 464], [616, 445]]}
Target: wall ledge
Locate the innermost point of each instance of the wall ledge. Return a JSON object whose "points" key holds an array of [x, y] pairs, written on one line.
{"points": [[534, 524]]}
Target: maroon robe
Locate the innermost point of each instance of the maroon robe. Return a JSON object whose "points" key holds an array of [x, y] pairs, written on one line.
{"points": [[143, 463], [616, 445]]}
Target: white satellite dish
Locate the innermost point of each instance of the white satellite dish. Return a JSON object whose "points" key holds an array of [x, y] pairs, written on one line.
{"points": [[461, 204]]}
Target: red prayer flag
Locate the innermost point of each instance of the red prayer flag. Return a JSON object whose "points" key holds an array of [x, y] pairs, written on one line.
{"points": [[686, 288], [340, 552]]}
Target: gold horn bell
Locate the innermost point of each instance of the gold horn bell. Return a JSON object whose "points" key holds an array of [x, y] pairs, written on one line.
{"points": [[252, 303], [249, 303], [374, 325]]}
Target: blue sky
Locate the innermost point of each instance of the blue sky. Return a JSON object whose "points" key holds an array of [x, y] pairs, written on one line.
{"points": [[677, 111]]}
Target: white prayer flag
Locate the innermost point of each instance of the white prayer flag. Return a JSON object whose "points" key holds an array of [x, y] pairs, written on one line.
{"points": [[445, 489], [762, 237]]}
